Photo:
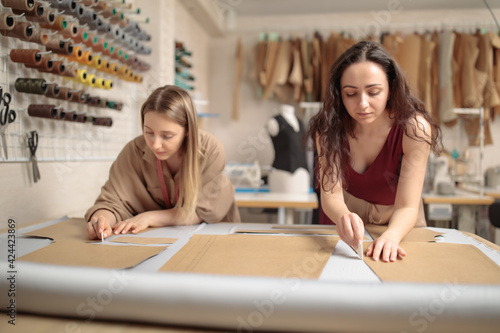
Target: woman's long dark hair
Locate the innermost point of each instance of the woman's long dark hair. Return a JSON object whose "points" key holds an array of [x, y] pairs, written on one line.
{"points": [[331, 126]]}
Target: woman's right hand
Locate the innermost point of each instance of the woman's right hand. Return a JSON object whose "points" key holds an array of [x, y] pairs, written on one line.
{"points": [[99, 224], [351, 229]]}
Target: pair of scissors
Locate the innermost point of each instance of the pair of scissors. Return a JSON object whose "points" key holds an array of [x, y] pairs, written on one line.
{"points": [[7, 116], [33, 145]]}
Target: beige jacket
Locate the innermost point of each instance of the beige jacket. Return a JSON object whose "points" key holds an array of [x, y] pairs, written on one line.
{"points": [[133, 186]]}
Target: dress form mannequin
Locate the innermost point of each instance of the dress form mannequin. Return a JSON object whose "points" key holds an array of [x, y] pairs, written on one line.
{"points": [[289, 173]]}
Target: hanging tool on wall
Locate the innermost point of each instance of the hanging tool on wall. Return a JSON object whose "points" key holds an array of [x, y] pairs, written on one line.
{"points": [[33, 145], [239, 71], [7, 116]]}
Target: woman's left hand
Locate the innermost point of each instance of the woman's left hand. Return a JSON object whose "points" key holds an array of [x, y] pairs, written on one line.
{"points": [[133, 224], [385, 247]]}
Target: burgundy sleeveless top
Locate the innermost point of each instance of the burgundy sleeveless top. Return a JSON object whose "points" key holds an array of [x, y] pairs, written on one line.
{"points": [[378, 184]]}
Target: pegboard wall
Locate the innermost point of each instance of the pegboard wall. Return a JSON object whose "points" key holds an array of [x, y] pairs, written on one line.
{"points": [[103, 67]]}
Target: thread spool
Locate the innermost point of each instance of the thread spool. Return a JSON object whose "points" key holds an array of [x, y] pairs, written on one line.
{"points": [[81, 75], [31, 86], [26, 56], [52, 90], [6, 21], [122, 70], [98, 45], [86, 57], [21, 30], [59, 46], [45, 65], [58, 24], [90, 3], [25, 5], [96, 62], [79, 36], [77, 54], [69, 6], [58, 68], [69, 116], [103, 121], [108, 84], [88, 37], [78, 96], [93, 100], [89, 17], [40, 37], [69, 72], [80, 117], [90, 80], [100, 6], [34, 14], [103, 103], [64, 93], [43, 111], [71, 30]]}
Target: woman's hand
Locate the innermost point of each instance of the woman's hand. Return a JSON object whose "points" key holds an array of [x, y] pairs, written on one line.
{"points": [[99, 225], [351, 229], [385, 247], [134, 224]]}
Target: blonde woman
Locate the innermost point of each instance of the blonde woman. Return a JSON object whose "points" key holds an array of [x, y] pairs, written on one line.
{"points": [[170, 175]]}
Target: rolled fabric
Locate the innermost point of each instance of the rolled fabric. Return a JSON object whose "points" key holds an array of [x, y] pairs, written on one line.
{"points": [[7, 21], [25, 5], [21, 30], [43, 111], [31, 86], [52, 90], [103, 121], [26, 56]]}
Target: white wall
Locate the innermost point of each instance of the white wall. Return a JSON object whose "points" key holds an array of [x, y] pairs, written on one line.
{"points": [[70, 187]]}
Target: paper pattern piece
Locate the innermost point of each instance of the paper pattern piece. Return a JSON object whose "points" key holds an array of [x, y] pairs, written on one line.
{"points": [[415, 234], [74, 228], [254, 255], [437, 263], [289, 231], [143, 240], [70, 253], [71, 247]]}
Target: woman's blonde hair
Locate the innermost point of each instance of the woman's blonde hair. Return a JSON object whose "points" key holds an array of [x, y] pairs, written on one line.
{"points": [[177, 104]]}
